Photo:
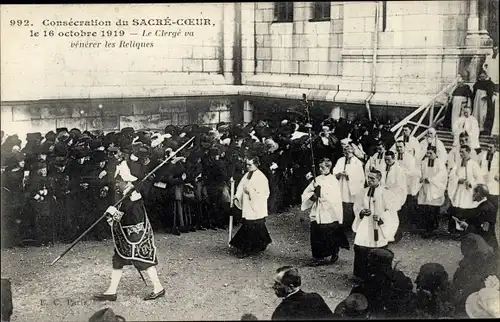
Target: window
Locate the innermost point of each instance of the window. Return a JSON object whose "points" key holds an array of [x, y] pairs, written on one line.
{"points": [[283, 11], [321, 10]]}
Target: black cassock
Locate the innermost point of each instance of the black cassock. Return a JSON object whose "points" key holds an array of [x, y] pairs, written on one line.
{"points": [[133, 236]]}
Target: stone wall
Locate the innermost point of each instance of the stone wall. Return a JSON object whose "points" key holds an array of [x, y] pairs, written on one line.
{"points": [[114, 114]]}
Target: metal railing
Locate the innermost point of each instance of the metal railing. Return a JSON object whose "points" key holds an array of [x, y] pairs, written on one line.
{"points": [[427, 117]]}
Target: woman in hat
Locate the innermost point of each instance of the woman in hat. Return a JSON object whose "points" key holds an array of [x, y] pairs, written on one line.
{"points": [[99, 190], [485, 304], [133, 240], [64, 205], [431, 300], [12, 198], [251, 197], [40, 194]]}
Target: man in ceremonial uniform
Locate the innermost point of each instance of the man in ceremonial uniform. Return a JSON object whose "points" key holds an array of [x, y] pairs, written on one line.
{"points": [[431, 139], [323, 197], [431, 195], [488, 161], [133, 242], [349, 172], [375, 223], [463, 177], [251, 197]]}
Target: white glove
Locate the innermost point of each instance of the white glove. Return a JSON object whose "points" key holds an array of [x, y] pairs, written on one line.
{"points": [[184, 176], [273, 166], [102, 174], [309, 176], [111, 210]]}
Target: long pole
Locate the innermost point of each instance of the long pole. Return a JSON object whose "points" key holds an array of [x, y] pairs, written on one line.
{"points": [[119, 201], [306, 104], [231, 204]]}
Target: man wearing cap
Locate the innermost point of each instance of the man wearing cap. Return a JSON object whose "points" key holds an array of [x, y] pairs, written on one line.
{"points": [[431, 139], [297, 304], [432, 184], [322, 196], [133, 241], [349, 171], [376, 221], [462, 179]]}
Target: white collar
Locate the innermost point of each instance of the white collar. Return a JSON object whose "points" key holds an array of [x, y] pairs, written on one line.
{"points": [[293, 292]]}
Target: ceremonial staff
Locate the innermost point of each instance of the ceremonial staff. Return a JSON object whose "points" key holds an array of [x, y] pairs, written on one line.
{"points": [[231, 204], [307, 105], [125, 195]]}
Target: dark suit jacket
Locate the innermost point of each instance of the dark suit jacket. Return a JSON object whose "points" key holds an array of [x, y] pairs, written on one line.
{"points": [[485, 212], [303, 306]]}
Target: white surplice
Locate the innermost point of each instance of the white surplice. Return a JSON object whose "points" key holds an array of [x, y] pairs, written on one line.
{"points": [[253, 204], [469, 125], [412, 146], [440, 148], [412, 171], [489, 175], [353, 185], [432, 193], [376, 161], [328, 208], [454, 157], [395, 180], [381, 204], [460, 195]]}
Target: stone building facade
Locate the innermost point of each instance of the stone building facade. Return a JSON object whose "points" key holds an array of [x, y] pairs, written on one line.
{"points": [[343, 55]]}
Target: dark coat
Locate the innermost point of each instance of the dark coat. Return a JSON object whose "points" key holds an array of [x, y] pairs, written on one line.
{"points": [[303, 306]]}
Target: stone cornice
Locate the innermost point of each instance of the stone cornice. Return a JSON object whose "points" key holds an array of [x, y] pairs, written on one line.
{"points": [[437, 52]]}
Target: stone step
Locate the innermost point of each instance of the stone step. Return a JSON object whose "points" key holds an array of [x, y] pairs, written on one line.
{"points": [[447, 138]]}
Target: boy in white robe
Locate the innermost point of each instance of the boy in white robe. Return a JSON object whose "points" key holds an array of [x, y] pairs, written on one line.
{"points": [[349, 172], [251, 197], [375, 223], [461, 180], [412, 146], [322, 196], [467, 123], [488, 161], [431, 194], [406, 161], [431, 139], [376, 161]]}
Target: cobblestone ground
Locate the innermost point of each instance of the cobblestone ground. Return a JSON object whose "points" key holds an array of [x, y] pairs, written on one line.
{"points": [[203, 279]]}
